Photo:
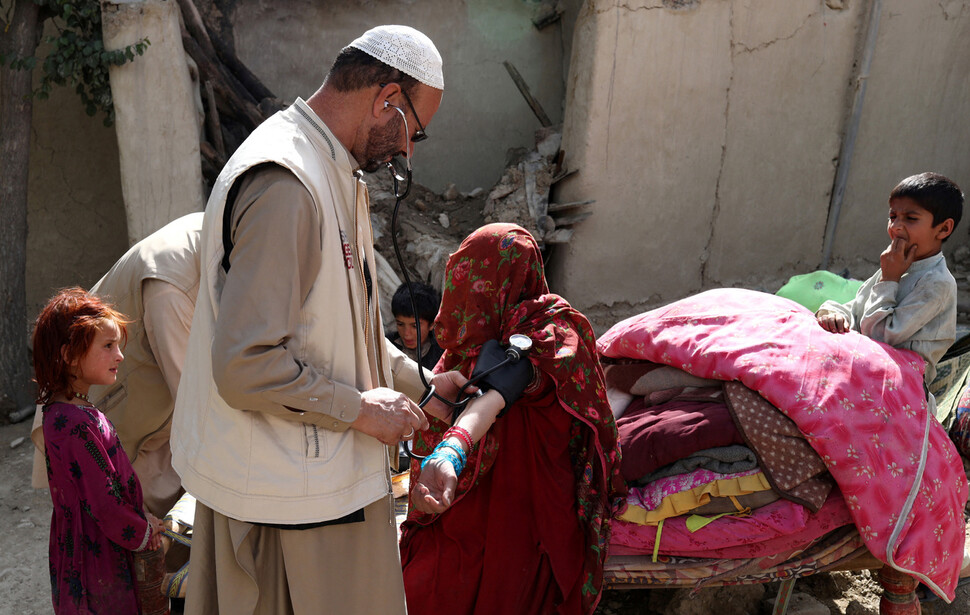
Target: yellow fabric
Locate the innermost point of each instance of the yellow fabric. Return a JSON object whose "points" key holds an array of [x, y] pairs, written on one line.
{"points": [[656, 541], [681, 503], [696, 522]]}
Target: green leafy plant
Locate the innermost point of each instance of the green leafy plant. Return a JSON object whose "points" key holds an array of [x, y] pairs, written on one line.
{"points": [[77, 55]]}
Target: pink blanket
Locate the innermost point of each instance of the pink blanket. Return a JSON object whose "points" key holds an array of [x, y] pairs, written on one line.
{"points": [[860, 404]]}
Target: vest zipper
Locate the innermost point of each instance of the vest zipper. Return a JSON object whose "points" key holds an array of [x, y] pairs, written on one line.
{"points": [[368, 330], [389, 482], [360, 260]]}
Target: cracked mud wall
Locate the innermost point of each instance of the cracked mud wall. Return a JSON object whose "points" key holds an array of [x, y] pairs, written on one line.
{"points": [[644, 126], [482, 114], [915, 118], [76, 214], [709, 133], [77, 221], [784, 121]]}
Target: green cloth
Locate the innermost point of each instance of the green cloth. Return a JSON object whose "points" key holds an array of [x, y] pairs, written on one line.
{"points": [[813, 289]]}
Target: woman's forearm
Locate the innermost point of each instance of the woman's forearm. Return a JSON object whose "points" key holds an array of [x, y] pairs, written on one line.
{"points": [[478, 417]]}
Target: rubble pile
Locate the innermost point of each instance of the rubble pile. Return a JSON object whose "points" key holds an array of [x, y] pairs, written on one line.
{"points": [[432, 225], [522, 194]]}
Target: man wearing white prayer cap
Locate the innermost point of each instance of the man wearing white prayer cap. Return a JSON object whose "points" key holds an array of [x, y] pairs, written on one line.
{"points": [[289, 393]]}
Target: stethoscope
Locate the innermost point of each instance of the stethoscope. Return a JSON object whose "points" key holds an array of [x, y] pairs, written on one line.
{"points": [[519, 345]]}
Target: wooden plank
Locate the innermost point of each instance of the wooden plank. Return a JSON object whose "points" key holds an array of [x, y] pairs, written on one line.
{"points": [[562, 176], [574, 219], [524, 90], [554, 207], [560, 235]]}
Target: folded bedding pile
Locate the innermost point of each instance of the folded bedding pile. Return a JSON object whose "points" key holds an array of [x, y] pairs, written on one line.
{"points": [[697, 451], [749, 432]]}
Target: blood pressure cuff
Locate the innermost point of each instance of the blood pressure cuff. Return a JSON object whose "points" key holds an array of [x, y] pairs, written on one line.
{"points": [[510, 380]]}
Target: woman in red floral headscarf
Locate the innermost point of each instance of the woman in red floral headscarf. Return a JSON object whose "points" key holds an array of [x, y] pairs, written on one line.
{"points": [[522, 526]]}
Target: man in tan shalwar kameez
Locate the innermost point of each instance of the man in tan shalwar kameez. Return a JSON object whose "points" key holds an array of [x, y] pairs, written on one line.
{"points": [[288, 396]]}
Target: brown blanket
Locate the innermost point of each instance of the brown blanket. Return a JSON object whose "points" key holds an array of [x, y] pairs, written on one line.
{"points": [[791, 465]]}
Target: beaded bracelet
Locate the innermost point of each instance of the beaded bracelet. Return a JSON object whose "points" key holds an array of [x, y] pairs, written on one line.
{"points": [[457, 448], [447, 453], [460, 433]]}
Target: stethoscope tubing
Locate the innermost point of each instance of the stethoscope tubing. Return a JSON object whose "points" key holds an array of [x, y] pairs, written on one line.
{"points": [[463, 396]]}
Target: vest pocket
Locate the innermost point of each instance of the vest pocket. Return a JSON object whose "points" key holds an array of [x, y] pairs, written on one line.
{"points": [[314, 441]]}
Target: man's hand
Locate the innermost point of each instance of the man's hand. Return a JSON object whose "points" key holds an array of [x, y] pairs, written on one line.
{"points": [[435, 488], [447, 385], [388, 416], [833, 322], [896, 259]]}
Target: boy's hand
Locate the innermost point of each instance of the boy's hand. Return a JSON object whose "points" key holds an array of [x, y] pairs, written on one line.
{"points": [[896, 259], [833, 322]]}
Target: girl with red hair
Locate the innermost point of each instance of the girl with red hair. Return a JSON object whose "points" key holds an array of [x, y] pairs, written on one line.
{"points": [[98, 518]]}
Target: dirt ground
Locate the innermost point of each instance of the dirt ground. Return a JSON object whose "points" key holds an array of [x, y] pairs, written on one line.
{"points": [[25, 516], [25, 588]]}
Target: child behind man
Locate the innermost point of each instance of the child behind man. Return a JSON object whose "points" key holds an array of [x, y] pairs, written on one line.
{"points": [[426, 302], [911, 301]]}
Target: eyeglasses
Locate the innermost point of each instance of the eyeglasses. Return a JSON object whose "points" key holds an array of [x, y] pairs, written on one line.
{"points": [[419, 134]]}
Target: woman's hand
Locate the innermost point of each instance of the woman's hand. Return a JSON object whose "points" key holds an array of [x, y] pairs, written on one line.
{"points": [[435, 488]]}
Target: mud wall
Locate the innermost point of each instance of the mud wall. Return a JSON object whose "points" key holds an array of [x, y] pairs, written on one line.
{"points": [[75, 213], [709, 133], [482, 114], [75, 193]]}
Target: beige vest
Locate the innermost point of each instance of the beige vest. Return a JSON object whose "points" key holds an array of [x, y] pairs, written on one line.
{"points": [[256, 466]]}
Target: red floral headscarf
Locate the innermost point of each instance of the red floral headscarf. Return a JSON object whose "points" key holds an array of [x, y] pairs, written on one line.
{"points": [[495, 287]]}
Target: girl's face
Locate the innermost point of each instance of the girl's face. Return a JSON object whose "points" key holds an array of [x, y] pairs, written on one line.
{"points": [[99, 365]]}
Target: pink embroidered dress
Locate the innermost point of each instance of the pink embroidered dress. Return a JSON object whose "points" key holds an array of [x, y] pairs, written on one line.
{"points": [[98, 517]]}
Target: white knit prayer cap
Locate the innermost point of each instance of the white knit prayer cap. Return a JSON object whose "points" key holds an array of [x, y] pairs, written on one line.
{"points": [[405, 49]]}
